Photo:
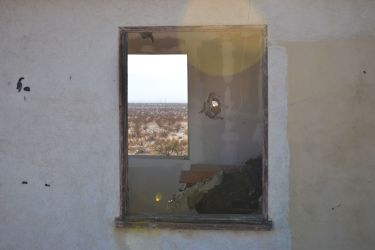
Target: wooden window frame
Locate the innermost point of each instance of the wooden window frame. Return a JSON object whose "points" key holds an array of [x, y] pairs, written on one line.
{"points": [[210, 221]]}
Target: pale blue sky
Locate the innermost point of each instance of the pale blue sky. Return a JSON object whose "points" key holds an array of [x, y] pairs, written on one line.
{"points": [[157, 78]]}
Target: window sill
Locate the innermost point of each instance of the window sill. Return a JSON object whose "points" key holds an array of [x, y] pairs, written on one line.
{"points": [[157, 157], [207, 222]]}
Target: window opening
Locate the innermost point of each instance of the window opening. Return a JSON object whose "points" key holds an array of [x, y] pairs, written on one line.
{"points": [[223, 181], [157, 105]]}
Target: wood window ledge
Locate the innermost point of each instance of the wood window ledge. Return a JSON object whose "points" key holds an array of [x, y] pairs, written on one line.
{"points": [[207, 222]]}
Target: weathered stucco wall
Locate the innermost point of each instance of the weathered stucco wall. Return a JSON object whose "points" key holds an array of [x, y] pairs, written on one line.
{"points": [[66, 131], [332, 142]]}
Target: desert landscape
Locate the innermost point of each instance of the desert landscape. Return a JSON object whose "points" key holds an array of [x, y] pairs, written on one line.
{"points": [[159, 129]]}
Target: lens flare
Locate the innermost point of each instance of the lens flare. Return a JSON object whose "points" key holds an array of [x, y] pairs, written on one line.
{"points": [[158, 197], [222, 53]]}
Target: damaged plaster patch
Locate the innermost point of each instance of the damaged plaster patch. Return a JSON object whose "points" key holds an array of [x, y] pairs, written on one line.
{"points": [[19, 84], [337, 206], [212, 107]]}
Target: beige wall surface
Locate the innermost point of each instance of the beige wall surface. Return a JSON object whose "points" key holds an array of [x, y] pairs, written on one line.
{"points": [[65, 131], [332, 143]]}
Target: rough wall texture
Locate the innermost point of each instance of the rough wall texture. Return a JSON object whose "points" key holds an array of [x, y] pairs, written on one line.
{"points": [[65, 131]]}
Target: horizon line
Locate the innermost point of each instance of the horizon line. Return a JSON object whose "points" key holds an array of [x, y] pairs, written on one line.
{"points": [[157, 102]]}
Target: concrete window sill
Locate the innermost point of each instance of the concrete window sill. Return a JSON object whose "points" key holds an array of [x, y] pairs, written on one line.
{"points": [[207, 222]]}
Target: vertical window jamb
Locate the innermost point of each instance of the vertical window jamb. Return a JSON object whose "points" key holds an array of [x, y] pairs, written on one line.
{"points": [[123, 99], [265, 124]]}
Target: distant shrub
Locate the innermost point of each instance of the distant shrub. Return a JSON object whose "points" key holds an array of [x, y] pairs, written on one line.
{"points": [[163, 139], [171, 147], [164, 133], [177, 126]]}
